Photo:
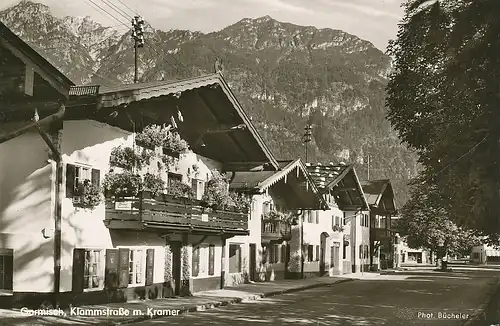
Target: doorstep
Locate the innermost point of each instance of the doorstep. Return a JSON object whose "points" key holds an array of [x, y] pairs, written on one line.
{"points": [[158, 308]]}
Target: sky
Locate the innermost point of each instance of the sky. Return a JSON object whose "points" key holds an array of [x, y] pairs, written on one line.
{"points": [[373, 20]]}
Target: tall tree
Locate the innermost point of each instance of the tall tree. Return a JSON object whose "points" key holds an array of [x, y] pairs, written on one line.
{"points": [[426, 224], [444, 100]]}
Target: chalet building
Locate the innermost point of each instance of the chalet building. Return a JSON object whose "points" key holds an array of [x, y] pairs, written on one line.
{"points": [[278, 200], [158, 150], [380, 196], [27, 256], [336, 241]]}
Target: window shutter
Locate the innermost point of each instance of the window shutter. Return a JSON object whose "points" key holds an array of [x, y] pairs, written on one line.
{"points": [[211, 260], [70, 180], [317, 253], [283, 253], [123, 267], [111, 269], [194, 187], [78, 269], [196, 261], [150, 261], [317, 217], [96, 178], [8, 272]]}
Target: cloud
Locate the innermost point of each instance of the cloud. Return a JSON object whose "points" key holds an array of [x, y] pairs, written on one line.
{"points": [[282, 5], [380, 8]]}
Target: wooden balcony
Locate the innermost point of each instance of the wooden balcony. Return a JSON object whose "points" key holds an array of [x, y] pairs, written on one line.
{"points": [[275, 231], [380, 234], [168, 213]]}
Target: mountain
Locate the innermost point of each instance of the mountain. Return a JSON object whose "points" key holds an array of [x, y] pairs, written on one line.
{"points": [[285, 75]]}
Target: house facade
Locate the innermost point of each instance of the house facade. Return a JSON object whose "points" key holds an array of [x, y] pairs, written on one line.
{"points": [[63, 243], [279, 199], [337, 240], [380, 197]]}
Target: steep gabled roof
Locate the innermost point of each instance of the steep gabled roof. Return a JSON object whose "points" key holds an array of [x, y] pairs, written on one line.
{"points": [[262, 181], [39, 64], [342, 180], [375, 190], [206, 102]]}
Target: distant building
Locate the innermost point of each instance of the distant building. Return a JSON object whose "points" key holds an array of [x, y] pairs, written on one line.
{"points": [[484, 254]]}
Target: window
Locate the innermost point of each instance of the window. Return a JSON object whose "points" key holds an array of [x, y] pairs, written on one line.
{"points": [[365, 220], [136, 266], [198, 187], [234, 258], [344, 218], [317, 217], [344, 251], [309, 217], [76, 175], [274, 251], [310, 253], [211, 260], [283, 253], [195, 261], [317, 253], [173, 178], [93, 275], [361, 251], [6, 269]]}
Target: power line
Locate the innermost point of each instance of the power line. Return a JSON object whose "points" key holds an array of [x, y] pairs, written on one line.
{"points": [[121, 22], [117, 10], [457, 160], [128, 7]]}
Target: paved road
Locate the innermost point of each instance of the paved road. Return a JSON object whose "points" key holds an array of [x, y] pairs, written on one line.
{"points": [[418, 300]]}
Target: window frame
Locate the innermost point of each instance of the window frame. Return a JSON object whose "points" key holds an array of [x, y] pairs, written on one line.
{"points": [[100, 270], [135, 262]]}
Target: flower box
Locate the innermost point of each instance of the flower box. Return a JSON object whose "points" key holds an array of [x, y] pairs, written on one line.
{"points": [[170, 152]]}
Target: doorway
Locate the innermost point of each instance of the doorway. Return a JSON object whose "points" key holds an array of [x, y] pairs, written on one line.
{"points": [[322, 254], [175, 247], [253, 262]]}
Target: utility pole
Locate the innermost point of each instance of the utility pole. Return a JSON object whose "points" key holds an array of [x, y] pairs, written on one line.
{"points": [[138, 36], [368, 168], [307, 137]]}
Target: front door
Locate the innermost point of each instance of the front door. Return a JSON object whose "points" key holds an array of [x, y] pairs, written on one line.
{"points": [[175, 247], [253, 262]]}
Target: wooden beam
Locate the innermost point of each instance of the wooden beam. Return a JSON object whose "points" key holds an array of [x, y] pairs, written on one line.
{"points": [[29, 79], [339, 190], [246, 166], [53, 82]]}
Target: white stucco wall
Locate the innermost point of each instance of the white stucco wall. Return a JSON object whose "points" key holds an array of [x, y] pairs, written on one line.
{"points": [[90, 143], [26, 209], [312, 236]]}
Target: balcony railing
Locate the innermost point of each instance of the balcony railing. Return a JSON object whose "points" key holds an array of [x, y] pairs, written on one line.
{"points": [[168, 212], [275, 230]]}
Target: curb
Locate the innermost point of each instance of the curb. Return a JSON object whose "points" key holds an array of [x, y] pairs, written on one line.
{"points": [[223, 303], [480, 311]]}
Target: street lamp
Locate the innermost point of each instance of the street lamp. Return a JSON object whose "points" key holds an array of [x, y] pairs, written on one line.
{"points": [[307, 138]]}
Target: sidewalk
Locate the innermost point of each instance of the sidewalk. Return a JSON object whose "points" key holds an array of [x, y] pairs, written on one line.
{"points": [[143, 310]]}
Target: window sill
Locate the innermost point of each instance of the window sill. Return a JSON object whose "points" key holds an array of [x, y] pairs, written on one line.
{"points": [[136, 285], [203, 276], [94, 289], [6, 293]]}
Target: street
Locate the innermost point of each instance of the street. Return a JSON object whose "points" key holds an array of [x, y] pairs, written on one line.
{"points": [[424, 298]]}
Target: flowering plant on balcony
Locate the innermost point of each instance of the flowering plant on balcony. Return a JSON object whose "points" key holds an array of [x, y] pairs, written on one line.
{"points": [[153, 183], [89, 195], [127, 158], [180, 189], [337, 228], [241, 202], [160, 136], [276, 216], [217, 194], [125, 184]]}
